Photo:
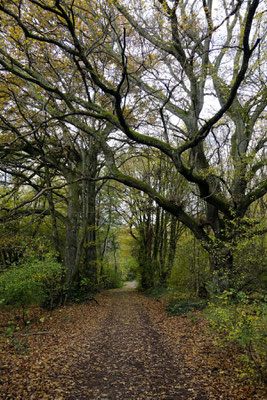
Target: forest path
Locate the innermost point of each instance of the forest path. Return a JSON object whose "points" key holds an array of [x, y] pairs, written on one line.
{"points": [[128, 358], [124, 347]]}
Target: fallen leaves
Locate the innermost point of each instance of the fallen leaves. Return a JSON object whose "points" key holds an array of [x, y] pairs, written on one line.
{"points": [[214, 368], [43, 370], [126, 347]]}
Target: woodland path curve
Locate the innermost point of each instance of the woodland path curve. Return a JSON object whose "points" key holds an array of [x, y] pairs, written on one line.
{"points": [[128, 358]]}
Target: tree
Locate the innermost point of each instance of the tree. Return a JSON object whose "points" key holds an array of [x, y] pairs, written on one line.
{"points": [[58, 155], [155, 231], [46, 157], [153, 70]]}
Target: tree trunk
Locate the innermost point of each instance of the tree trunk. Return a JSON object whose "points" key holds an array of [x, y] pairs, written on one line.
{"points": [[172, 247], [52, 210], [72, 230], [90, 256], [157, 239], [90, 265], [221, 266]]}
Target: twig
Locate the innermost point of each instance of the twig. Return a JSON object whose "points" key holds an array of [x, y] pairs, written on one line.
{"points": [[34, 333]]}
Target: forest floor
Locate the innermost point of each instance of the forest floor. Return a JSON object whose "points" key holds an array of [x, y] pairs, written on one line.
{"points": [[125, 346]]}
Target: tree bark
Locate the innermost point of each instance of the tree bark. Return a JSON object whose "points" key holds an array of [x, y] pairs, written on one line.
{"points": [[72, 230], [221, 267], [55, 234], [90, 264], [172, 246], [90, 255]]}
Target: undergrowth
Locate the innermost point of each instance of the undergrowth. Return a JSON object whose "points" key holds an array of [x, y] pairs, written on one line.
{"points": [[33, 282], [236, 320], [178, 307]]}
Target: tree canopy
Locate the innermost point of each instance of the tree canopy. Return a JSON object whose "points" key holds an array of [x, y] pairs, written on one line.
{"points": [[84, 81]]}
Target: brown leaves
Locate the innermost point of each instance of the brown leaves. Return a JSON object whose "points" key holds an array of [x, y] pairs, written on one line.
{"points": [[127, 347], [215, 369], [43, 371]]}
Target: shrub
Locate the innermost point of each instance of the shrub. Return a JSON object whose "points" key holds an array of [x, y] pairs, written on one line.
{"points": [[239, 321], [33, 282], [182, 307], [111, 279], [190, 271], [157, 291], [250, 264], [131, 275], [82, 290]]}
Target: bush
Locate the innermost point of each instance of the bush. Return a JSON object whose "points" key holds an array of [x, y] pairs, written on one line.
{"points": [[157, 291], [250, 264], [111, 279], [82, 290], [190, 271], [131, 275], [239, 321], [34, 282], [182, 307]]}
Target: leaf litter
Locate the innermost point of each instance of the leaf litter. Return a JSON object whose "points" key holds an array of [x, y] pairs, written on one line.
{"points": [[125, 347]]}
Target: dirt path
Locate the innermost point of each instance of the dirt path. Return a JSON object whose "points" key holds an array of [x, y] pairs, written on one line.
{"points": [[127, 358], [125, 347]]}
